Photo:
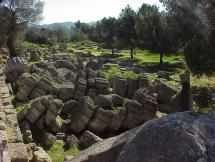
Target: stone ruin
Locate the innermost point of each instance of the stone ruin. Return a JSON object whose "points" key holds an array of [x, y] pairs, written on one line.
{"points": [[71, 101]]}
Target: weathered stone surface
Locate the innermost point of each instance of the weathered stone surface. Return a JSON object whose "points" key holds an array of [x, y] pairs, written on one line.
{"points": [[143, 81], [183, 101], [81, 114], [34, 56], [71, 140], [24, 85], [104, 151], [190, 137], [104, 101], [117, 119], [93, 64], [164, 92], [80, 89], [36, 110], [15, 67], [27, 136], [132, 86], [67, 74], [102, 86], [116, 100], [134, 113], [49, 139], [68, 106], [64, 64], [120, 87], [40, 156], [100, 120], [88, 139], [185, 136], [66, 92], [146, 98], [17, 152], [56, 125]]}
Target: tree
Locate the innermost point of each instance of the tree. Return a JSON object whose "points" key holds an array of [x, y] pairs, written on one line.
{"points": [[23, 12], [107, 33], [196, 28], [154, 31], [80, 31], [61, 33], [4, 16], [126, 30]]}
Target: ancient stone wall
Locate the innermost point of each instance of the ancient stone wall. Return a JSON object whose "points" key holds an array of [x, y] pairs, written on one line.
{"points": [[12, 147]]}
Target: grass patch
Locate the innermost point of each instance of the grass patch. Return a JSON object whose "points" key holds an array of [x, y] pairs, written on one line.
{"points": [[57, 152], [19, 106], [115, 71]]}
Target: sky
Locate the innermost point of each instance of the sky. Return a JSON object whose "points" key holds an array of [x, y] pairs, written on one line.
{"points": [[87, 10]]}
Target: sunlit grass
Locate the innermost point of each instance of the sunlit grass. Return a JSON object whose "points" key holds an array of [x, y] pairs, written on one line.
{"points": [[57, 152]]}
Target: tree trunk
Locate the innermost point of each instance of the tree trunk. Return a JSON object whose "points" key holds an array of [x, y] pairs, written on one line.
{"points": [[11, 41], [112, 51], [161, 59], [131, 53]]}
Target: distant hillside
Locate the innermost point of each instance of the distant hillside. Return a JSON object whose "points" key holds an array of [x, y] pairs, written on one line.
{"points": [[66, 25]]}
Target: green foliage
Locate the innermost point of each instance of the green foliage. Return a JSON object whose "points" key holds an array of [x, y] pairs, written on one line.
{"points": [[115, 71], [194, 24], [57, 152], [19, 106], [41, 36], [126, 30]]}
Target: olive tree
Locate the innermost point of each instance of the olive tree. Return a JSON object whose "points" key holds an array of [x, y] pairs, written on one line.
{"points": [[22, 13]]}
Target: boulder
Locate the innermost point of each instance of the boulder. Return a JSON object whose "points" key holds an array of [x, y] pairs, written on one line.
{"points": [[66, 91], [14, 67], [143, 81], [100, 120], [148, 101], [56, 125], [104, 101], [187, 136], [27, 136], [134, 114], [34, 56], [91, 73], [120, 86], [132, 86], [88, 139], [17, 152], [81, 114], [71, 141], [104, 151], [49, 139], [64, 64], [40, 156], [67, 74], [93, 64], [24, 85], [164, 74], [68, 106], [36, 110], [117, 119], [116, 100], [80, 89], [164, 92], [102, 86], [184, 136]]}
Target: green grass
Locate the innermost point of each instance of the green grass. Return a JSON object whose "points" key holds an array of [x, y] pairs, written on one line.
{"points": [[19, 106], [32, 45], [57, 152], [115, 71]]}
